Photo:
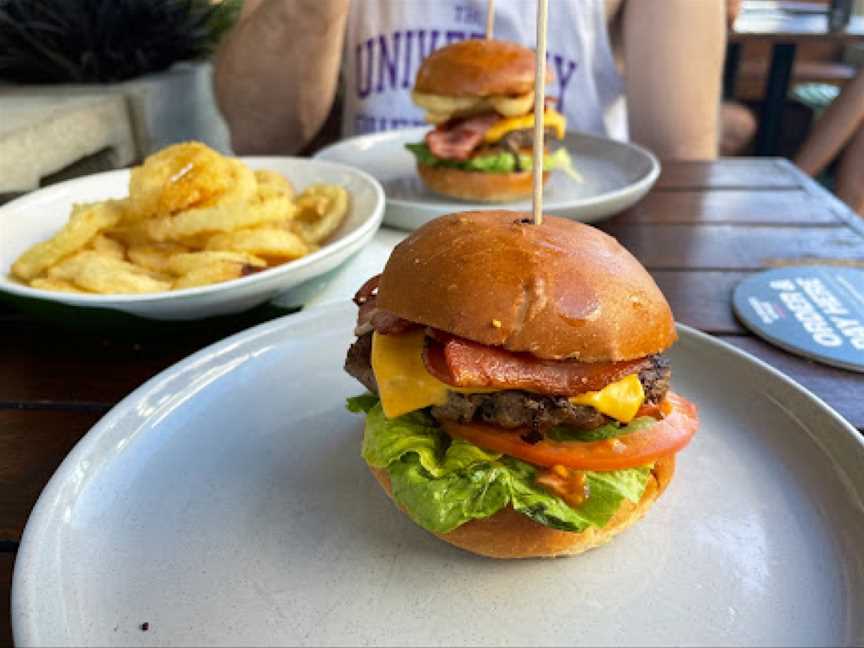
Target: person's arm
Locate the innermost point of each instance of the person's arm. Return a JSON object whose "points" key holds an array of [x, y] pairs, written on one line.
{"points": [[840, 128], [673, 53], [834, 128], [276, 72]]}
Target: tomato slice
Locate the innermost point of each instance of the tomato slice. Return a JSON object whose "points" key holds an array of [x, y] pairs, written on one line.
{"points": [[645, 446]]}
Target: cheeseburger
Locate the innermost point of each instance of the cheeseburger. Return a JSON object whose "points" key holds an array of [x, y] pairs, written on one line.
{"points": [[480, 96], [519, 400]]}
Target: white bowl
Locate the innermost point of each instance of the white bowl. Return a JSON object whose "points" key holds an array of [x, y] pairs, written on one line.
{"points": [[36, 216]]}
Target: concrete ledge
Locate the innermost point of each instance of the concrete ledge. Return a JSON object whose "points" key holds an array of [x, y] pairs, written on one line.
{"points": [[45, 128], [40, 135]]}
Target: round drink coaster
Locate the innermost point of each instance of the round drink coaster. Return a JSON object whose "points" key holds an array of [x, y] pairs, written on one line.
{"points": [[813, 311]]}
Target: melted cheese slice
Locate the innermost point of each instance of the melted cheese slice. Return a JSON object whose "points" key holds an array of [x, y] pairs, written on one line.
{"points": [[551, 119], [620, 400], [404, 384]]}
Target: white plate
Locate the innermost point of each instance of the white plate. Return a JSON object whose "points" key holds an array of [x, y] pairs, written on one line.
{"points": [[617, 174], [225, 503], [36, 216]]}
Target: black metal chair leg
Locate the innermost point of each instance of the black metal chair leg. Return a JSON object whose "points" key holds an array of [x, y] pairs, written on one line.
{"points": [[730, 69], [776, 89]]}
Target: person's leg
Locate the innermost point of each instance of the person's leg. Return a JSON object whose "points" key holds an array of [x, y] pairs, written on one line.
{"points": [[737, 127], [850, 173], [834, 129]]}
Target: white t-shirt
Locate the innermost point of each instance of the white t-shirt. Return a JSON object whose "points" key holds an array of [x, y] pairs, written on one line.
{"points": [[386, 40]]}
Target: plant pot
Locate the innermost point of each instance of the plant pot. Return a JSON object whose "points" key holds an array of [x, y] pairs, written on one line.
{"points": [[173, 106]]}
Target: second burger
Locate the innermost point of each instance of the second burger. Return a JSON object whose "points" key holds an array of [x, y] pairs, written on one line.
{"points": [[480, 96]]}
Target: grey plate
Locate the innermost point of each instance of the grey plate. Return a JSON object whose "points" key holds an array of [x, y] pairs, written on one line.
{"points": [[224, 502], [616, 175]]}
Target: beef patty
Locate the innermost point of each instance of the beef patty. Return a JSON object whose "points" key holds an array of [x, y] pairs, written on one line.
{"points": [[513, 408], [358, 362]]}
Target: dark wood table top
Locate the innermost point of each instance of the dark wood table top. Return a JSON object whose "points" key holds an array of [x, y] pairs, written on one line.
{"points": [[791, 21], [705, 226]]}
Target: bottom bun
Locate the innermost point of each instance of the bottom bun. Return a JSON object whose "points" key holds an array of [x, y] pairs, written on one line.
{"points": [[477, 185], [509, 534]]}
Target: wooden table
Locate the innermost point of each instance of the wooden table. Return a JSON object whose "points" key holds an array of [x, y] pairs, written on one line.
{"points": [[704, 227], [784, 24]]}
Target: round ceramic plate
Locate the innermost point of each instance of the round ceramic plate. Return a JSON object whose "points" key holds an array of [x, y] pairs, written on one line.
{"points": [[616, 175], [37, 216], [225, 503]]}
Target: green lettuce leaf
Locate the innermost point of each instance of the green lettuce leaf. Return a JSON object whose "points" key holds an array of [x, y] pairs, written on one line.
{"points": [[539, 504], [559, 160], [608, 431], [629, 483], [385, 441], [462, 454], [500, 162], [362, 403], [444, 483], [497, 162], [444, 503], [606, 489], [424, 155]]}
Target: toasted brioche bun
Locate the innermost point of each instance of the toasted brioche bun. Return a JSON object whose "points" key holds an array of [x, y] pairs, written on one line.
{"points": [[477, 186], [509, 534], [557, 290], [478, 68]]}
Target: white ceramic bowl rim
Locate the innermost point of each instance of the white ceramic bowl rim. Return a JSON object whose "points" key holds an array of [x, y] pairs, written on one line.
{"points": [[84, 299]]}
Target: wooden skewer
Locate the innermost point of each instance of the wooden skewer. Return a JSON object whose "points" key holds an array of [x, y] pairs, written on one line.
{"points": [[490, 18], [539, 100]]}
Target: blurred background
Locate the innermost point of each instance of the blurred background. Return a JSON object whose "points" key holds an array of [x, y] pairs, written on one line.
{"points": [[91, 85]]}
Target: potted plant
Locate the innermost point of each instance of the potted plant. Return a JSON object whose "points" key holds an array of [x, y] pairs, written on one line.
{"points": [[153, 52]]}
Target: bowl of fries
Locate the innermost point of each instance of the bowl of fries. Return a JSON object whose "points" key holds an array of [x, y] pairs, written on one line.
{"points": [[187, 234]]}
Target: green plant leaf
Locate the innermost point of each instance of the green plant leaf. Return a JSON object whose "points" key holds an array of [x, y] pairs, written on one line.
{"points": [[103, 41]]}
